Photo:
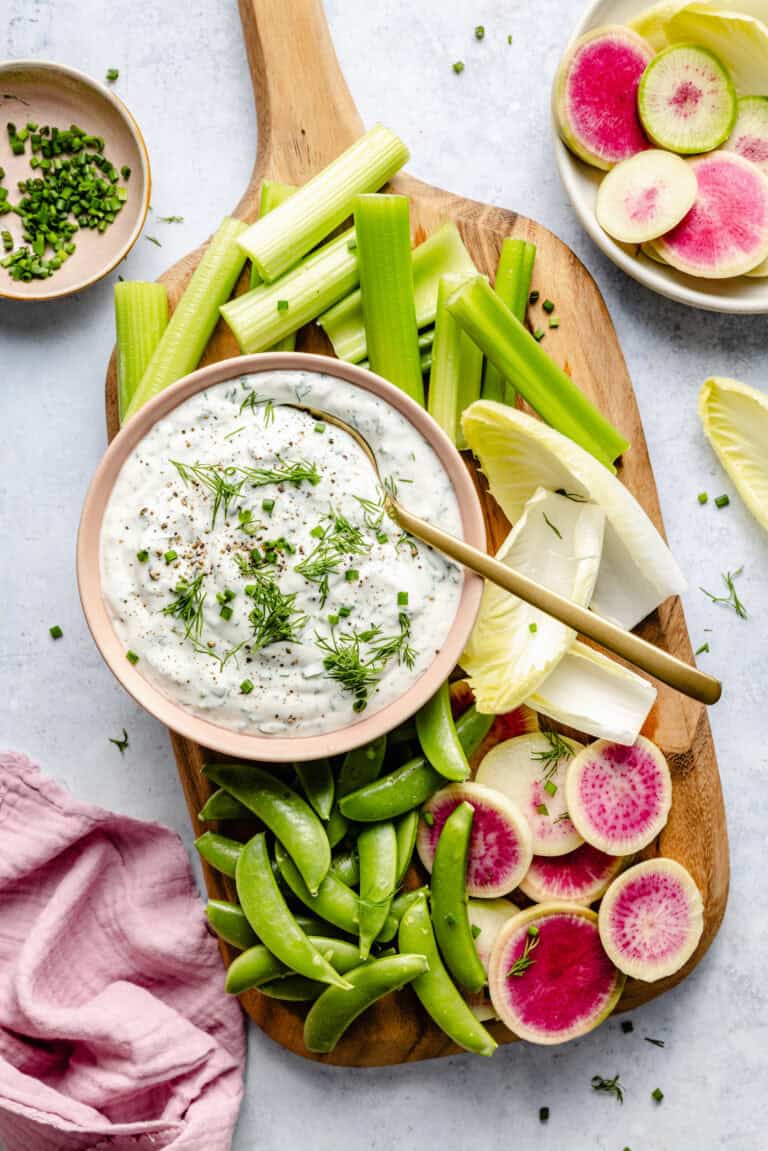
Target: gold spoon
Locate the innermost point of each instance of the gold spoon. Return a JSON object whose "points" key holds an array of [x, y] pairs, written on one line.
{"points": [[646, 656]]}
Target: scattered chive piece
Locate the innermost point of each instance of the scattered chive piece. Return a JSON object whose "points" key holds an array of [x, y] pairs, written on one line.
{"points": [[627, 1026], [609, 1086], [479, 32], [267, 506], [552, 526], [318, 531], [154, 240], [657, 1094], [246, 687], [543, 1114], [458, 67], [121, 744], [541, 809], [282, 305], [548, 306], [732, 599], [428, 818], [702, 497], [351, 574], [722, 501], [538, 335], [475, 930], [509, 38], [533, 297], [344, 611], [319, 427], [382, 537], [171, 219], [226, 611], [142, 556], [112, 75], [131, 657], [655, 1042], [402, 599], [554, 322], [704, 649], [533, 628], [55, 631], [550, 788], [333, 619], [170, 556], [125, 172]]}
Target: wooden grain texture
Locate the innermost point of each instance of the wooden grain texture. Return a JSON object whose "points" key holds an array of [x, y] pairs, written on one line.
{"points": [[305, 118]]}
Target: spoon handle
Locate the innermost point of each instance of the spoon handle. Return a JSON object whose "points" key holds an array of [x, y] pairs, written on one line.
{"points": [[646, 656]]}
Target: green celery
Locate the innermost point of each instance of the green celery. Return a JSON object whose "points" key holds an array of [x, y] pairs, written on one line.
{"points": [[278, 241], [141, 317], [519, 358], [513, 283], [457, 365], [443, 254], [195, 316], [383, 230], [308, 289], [425, 359], [272, 195]]}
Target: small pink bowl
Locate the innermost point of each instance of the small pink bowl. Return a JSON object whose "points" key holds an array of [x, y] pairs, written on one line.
{"points": [[212, 735]]}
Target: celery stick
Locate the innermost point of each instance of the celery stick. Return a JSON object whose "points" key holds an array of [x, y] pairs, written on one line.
{"points": [[279, 240], [513, 283], [194, 318], [425, 359], [519, 358], [271, 311], [383, 229], [141, 317], [457, 365], [271, 196], [442, 254]]}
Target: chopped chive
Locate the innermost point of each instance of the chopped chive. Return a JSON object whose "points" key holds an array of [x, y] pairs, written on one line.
{"points": [[428, 818], [171, 219], [226, 611], [142, 556], [550, 787], [703, 650], [533, 297], [282, 305], [121, 744], [655, 1042], [533, 628], [657, 1094], [351, 574], [479, 32], [225, 596], [246, 687], [333, 619], [131, 657], [402, 599], [554, 322], [509, 38], [702, 497], [458, 67], [539, 335], [382, 537], [475, 930], [722, 501], [319, 427], [55, 632], [170, 556], [543, 1114], [344, 611], [112, 75], [548, 306], [627, 1026], [541, 809], [267, 506]]}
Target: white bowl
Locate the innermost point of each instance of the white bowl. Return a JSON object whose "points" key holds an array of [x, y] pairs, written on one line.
{"points": [[738, 295]]}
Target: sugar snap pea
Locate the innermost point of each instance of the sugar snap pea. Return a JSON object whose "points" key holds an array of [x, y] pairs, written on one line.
{"points": [[438, 993], [220, 851], [336, 827], [361, 765], [258, 965], [284, 812], [317, 782], [412, 784], [330, 1015], [406, 830], [222, 805], [377, 849], [271, 919], [449, 900], [229, 922], [293, 988], [403, 901], [438, 737], [346, 865]]}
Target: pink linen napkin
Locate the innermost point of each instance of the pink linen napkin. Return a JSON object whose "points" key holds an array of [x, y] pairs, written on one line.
{"points": [[115, 1030]]}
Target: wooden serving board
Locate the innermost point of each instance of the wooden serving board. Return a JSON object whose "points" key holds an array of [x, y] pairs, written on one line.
{"points": [[306, 117]]}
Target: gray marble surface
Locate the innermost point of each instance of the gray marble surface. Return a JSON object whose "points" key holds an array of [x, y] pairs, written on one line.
{"points": [[484, 134]]}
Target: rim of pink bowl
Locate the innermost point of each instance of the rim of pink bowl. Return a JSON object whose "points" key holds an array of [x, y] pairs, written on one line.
{"points": [[213, 736]]}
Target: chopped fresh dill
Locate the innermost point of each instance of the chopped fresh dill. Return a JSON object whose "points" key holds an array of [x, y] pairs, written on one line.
{"points": [[524, 961], [557, 751], [188, 605], [609, 1086], [373, 512], [554, 527], [225, 488], [732, 599], [253, 401], [345, 662], [337, 540], [274, 617], [121, 744], [171, 219], [388, 647], [223, 660], [236, 432], [577, 499], [703, 650], [407, 540], [154, 240], [560, 818]]}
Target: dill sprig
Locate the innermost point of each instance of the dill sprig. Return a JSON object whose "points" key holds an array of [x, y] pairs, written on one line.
{"points": [[557, 751], [223, 660], [732, 599], [345, 662], [336, 542], [609, 1086], [225, 487], [373, 513], [188, 605], [524, 961], [387, 647], [253, 401], [122, 744], [554, 527], [274, 617], [296, 472]]}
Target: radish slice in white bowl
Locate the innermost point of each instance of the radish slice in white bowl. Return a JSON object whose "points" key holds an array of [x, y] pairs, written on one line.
{"points": [[645, 196]]}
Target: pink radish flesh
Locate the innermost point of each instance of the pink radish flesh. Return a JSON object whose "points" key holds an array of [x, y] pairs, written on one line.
{"points": [[568, 989], [750, 133], [726, 231], [581, 876], [500, 849], [601, 96], [618, 796]]}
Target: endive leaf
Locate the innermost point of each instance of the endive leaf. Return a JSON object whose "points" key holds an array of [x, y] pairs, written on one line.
{"points": [[739, 40], [513, 647], [592, 693], [519, 454], [735, 421], [651, 22]]}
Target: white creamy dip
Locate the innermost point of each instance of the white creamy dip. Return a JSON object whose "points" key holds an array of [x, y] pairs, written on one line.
{"points": [[214, 607]]}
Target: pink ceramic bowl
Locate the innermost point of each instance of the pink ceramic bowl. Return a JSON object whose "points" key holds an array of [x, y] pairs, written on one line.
{"points": [[202, 731]]}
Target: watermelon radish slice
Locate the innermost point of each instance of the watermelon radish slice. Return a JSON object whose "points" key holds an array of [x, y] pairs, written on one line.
{"points": [[645, 196], [487, 917], [580, 877], [726, 231], [569, 986], [651, 919], [500, 848], [749, 137], [530, 770], [619, 796], [687, 100], [595, 95]]}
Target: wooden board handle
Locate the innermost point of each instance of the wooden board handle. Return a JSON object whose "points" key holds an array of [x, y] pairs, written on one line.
{"points": [[304, 111]]}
